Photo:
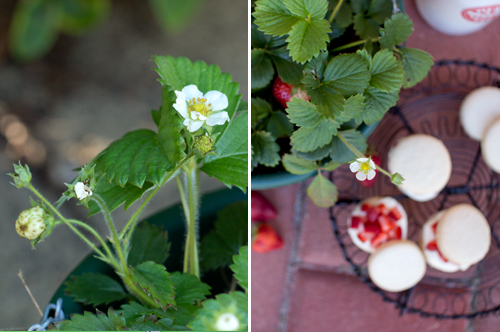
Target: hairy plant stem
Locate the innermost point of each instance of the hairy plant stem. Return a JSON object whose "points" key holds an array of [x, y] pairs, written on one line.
{"points": [[335, 11], [46, 202], [190, 203], [360, 155], [356, 43]]}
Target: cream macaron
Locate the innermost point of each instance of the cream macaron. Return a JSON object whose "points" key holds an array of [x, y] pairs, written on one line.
{"points": [[479, 109], [490, 146]]}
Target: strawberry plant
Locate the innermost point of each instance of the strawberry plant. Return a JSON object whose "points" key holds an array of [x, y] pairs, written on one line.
{"points": [[349, 59], [202, 126]]}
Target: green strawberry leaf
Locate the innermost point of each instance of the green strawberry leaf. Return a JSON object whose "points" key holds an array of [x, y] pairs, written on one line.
{"points": [[114, 195], [348, 74], [330, 166], [297, 165], [330, 102], [149, 243], [377, 103], [240, 267], [94, 289], [316, 155], [387, 72], [76, 16], [262, 69], [33, 29], [164, 324], [273, 17], [344, 15], [302, 112], [396, 30], [229, 234], [279, 125], [265, 150], [340, 153], [257, 38], [365, 27], [416, 64], [188, 288], [181, 315], [314, 71], [235, 303], [135, 158], [322, 192], [173, 15], [380, 10], [289, 71], [260, 110], [90, 322], [230, 163], [315, 135], [308, 38], [353, 108], [314, 9], [154, 281]]}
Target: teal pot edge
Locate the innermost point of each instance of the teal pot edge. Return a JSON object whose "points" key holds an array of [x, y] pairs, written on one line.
{"points": [[283, 178], [211, 203]]}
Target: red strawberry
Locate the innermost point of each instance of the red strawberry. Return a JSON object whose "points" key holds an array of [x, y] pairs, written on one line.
{"points": [[262, 209], [282, 91], [368, 183], [265, 238]]}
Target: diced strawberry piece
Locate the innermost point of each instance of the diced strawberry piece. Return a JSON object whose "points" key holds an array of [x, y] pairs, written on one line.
{"points": [[372, 227], [379, 239], [395, 214], [265, 239], [432, 245], [262, 209], [356, 220], [398, 233], [383, 209], [365, 207], [373, 214], [364, 236], [434, 227], [386, 224]]}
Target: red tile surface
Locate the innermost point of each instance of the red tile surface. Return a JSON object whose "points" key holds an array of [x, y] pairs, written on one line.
{"points": [[318, 244], [331, 302], [487, 324], [268, 270], [481, 46]]}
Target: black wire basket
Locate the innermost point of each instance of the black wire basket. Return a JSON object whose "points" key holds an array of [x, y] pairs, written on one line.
{"points": [[431, 108]]}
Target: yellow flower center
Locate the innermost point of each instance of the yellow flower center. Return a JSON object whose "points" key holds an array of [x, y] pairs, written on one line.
{"points": [[199, 105], [365, 167]]}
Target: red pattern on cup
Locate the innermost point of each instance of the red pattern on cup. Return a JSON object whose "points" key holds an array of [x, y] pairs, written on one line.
{"points": [[481, 14]]}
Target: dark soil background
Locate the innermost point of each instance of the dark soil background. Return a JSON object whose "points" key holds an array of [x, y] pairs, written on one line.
{"points": [[57, 113]]}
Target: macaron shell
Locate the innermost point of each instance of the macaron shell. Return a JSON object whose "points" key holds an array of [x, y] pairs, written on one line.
{"points": [[490, 146], [463, 234], [423, 161], [397, 265], [479, 109]]}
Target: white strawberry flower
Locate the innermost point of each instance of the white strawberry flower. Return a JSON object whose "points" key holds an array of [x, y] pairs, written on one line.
{"points": [[227, 322], [364, 168], [82, 191], [197, 109]]}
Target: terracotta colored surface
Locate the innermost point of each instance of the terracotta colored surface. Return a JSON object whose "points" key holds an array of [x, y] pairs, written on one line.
{"points": [[268, 270], [333, 302]]}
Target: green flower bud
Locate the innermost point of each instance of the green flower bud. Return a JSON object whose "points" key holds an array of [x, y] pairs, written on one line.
{"points": [[202, 145], [32, 223], [397, 179], [22, 176]]}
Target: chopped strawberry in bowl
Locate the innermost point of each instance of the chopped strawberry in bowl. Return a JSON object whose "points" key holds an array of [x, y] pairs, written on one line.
{"points": [[375, 221]]}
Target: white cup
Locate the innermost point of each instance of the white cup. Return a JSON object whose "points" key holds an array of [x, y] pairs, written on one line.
{"points": [[458, 17]]}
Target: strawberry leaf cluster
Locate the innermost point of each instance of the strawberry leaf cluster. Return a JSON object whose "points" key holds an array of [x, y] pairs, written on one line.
{"points": [[352, 71]]}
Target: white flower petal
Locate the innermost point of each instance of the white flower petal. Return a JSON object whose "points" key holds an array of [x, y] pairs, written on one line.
{"points": [[193, 125], [372, 164], [217, 118], [371, 174], [217, 99], [191, 91], [181, 105], [362, 160], [197, 116], [361, 176], [354, 167]]}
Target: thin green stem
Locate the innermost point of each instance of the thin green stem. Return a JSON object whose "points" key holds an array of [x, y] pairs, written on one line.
{"points": [[356, 43], [140, 294], [65, 221], [335, 11], [185, 207]]}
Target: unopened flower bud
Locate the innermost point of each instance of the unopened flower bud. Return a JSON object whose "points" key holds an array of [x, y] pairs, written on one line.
{"points": [[22, 176], [31, 223], [397, 179], [227, 322], [202, 145]]}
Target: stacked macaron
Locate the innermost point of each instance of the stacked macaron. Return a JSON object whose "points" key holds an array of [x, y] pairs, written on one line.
{"points": [[480, 118]]}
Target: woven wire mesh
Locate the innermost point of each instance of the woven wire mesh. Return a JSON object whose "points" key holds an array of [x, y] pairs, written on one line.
{"points": [[431, 108]]}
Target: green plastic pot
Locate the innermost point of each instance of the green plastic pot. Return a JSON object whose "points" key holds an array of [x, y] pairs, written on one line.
{"points": [[282, 178], [172, 220]]}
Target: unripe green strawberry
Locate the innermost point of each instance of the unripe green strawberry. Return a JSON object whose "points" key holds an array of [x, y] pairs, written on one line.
{"points": [[32, 223], [202, 145]]}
